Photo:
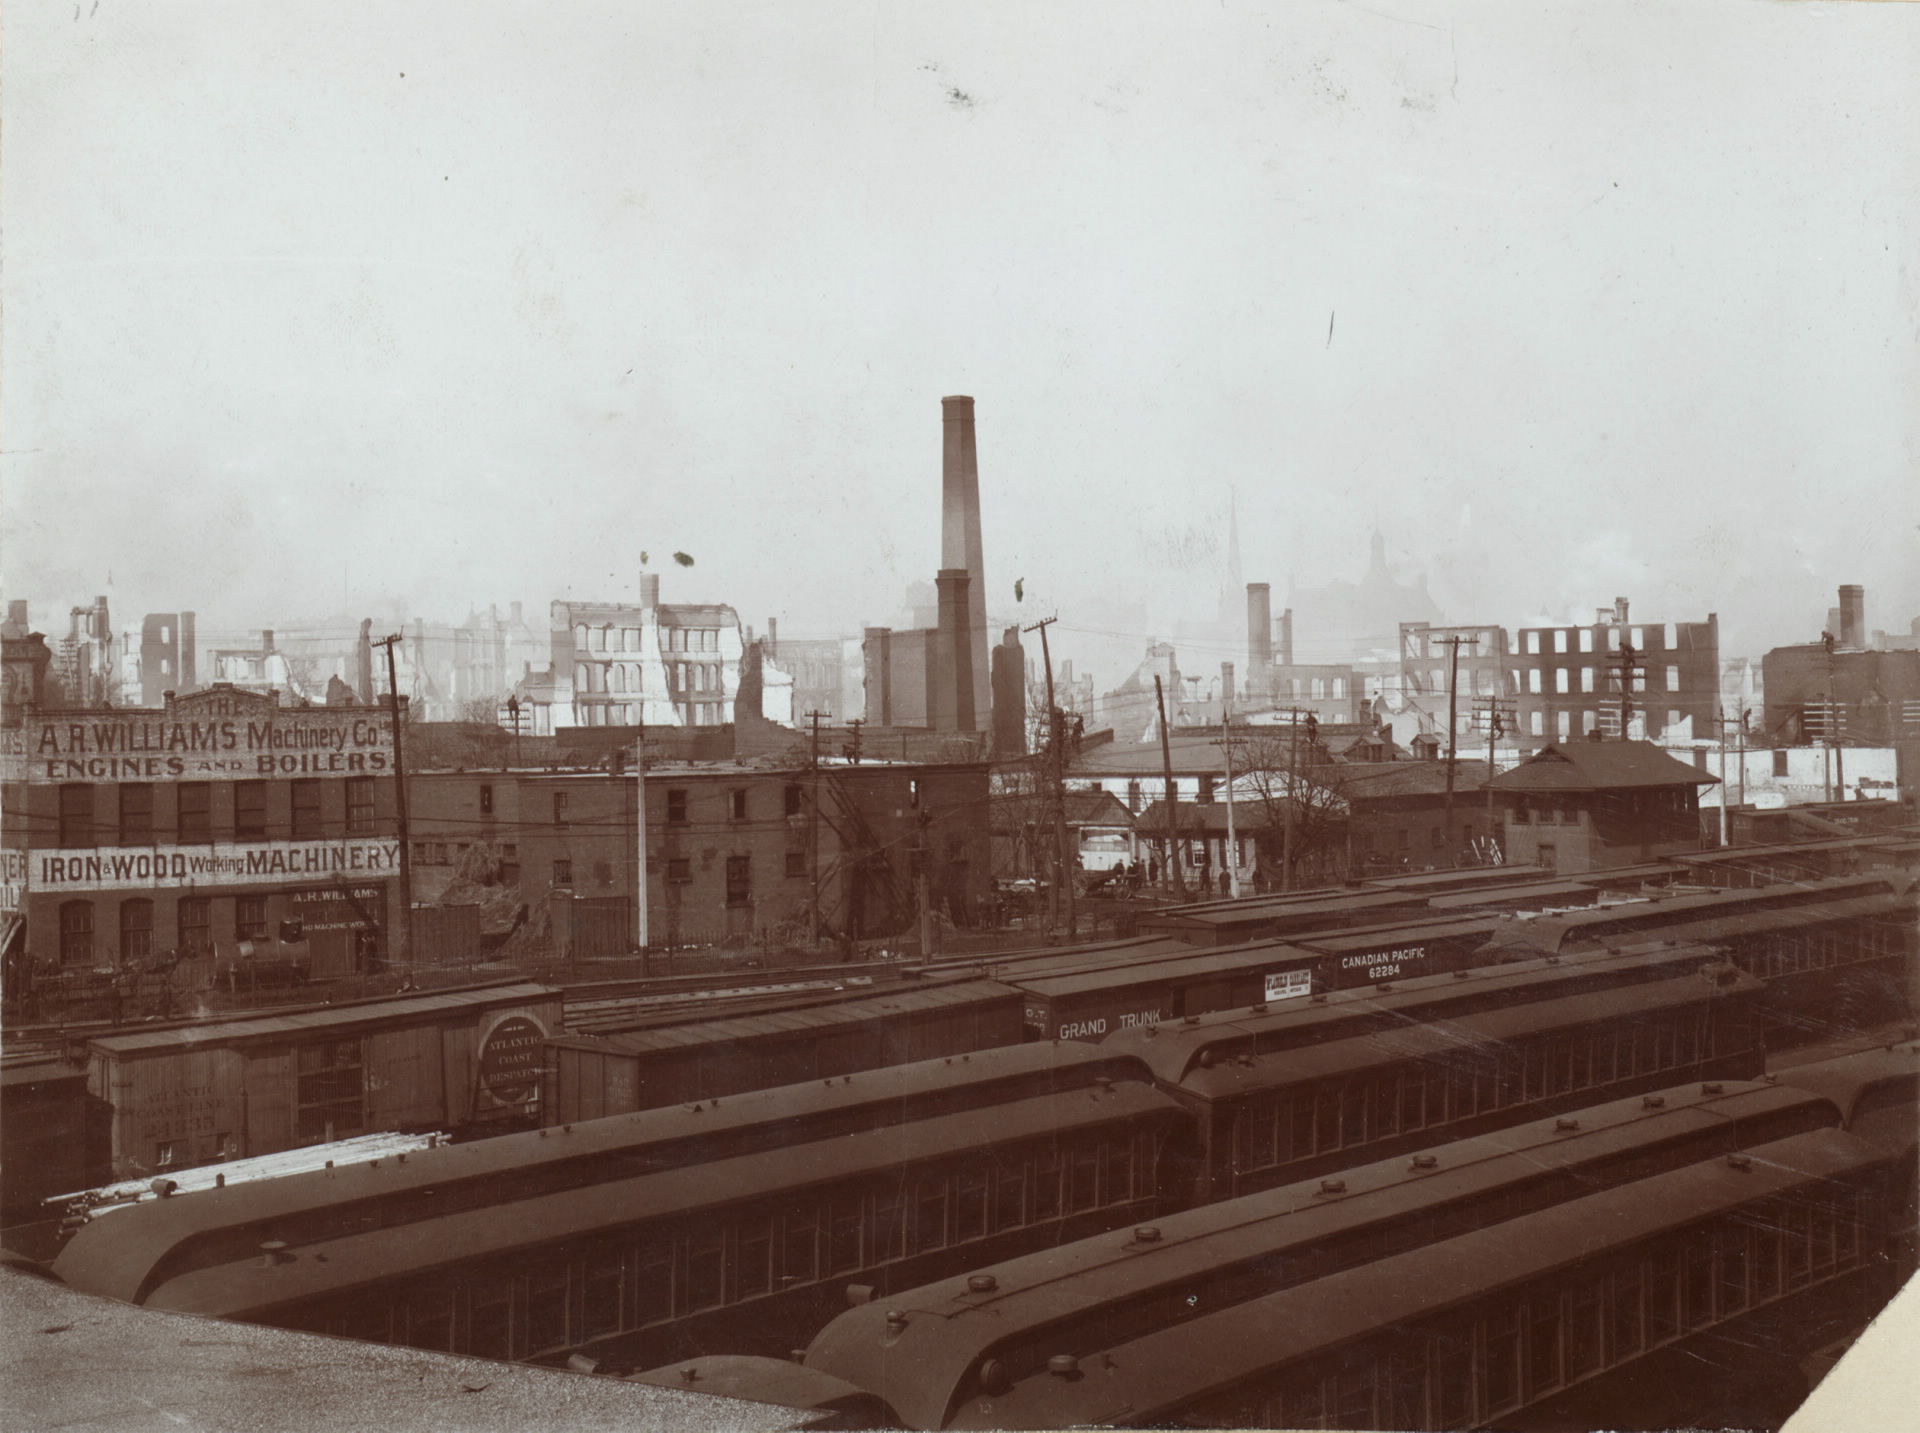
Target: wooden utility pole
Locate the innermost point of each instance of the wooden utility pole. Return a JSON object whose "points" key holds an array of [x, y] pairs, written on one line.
{"points": [[1453, 727], [1629, 669], [1833, 725], [404, 956], [1226, 747], [813, 831], [1061, 906], [1286, 829], [640, 932], [1175, 884], [1495, 727]]}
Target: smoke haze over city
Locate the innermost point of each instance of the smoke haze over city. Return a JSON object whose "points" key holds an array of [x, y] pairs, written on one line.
{"points": [[389, 313]]}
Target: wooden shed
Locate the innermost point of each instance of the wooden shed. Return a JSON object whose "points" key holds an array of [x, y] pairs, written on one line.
{"points": [[227, 1089]]}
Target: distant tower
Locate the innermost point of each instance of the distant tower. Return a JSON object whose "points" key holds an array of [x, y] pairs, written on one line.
{"points": [[960, 548]]}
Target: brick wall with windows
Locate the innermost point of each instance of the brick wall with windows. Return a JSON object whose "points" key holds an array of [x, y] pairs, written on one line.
{"points": [[728, 851], [196, 826]]}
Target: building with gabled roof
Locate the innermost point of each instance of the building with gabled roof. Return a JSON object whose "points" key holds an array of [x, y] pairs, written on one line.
{"points": [[1589, 805]]}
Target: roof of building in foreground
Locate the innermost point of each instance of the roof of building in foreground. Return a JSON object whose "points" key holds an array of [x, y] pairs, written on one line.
{"points": [[73, 1359], [1600, 766]]}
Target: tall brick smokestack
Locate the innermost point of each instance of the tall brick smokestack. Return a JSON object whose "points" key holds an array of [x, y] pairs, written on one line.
{"points": [[953, 682], [1853, 616], [1259, 637], [960, 542]]}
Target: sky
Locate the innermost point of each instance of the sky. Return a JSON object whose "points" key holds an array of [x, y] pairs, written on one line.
{"points": [[388, 308]]}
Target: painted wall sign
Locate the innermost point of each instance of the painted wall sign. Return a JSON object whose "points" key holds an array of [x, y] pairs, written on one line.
{"points": [[222, 863], [13, 879], [1384, 964], [1288, 984], [330, 908], [208, 736], [511, 1057]]}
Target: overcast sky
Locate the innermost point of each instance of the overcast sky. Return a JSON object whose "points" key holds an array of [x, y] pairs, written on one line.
{"points": [[316, 308]]}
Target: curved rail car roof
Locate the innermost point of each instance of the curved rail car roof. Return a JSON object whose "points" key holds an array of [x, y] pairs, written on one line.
{"points": [[1171, 1049], [219, 1270], [1876, 1092], [1144, 1378], [952, 1324], [1479, 1030], [765, 1380], [110, 1256], [1700, 916]]}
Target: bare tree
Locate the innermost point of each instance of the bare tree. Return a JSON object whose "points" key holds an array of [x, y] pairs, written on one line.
{"points": [[1267, 782]]}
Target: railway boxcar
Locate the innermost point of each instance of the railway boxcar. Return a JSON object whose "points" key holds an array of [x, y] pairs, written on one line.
{"points": [[256, 1084], [1092, 1001], [1089, 999], [1285, 1092], [54, 1136], [801, 1040], [736, 1225], [1279, 917], [961, 1352]]}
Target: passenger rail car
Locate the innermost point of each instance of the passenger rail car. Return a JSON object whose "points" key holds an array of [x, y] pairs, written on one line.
{"points": [[1836, 954], [1669, 1302], [644, 1237], [1249, 1313], [1284, 1092]]}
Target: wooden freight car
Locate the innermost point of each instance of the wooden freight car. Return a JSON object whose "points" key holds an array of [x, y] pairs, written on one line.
{"points": [[454, 1060], [55, 1135], [1092, 999], [1235, 922], [590, 1076]]}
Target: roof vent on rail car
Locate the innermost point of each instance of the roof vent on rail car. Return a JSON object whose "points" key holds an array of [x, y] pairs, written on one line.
{"points": [[1332, 1186], [1565, 1125], [1190, 1020], [1712, 1087], [1064, 1365], [1259, 1007], [1741, 1162], [1425, 1161], [1147, 1234], [981, 1283], [274, 1251], [1653, 1102]]}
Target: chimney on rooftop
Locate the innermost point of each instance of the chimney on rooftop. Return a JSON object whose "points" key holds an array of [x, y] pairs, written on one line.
{"points": [[1259, 637], [266, 639], [1286, 638], [960, 548], [1853, 616], [649, 589], [953, 655]]}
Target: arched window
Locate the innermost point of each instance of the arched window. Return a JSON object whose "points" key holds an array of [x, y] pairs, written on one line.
{"points": [[580, 682], [76, 933], [580, 639]]}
